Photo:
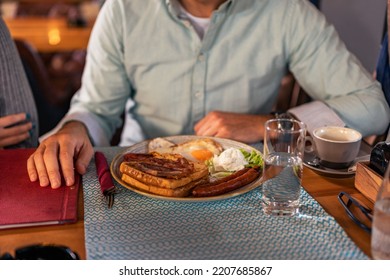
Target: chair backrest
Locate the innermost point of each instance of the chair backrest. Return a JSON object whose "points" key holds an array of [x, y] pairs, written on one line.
{"points": [[290, 94], [45, 96], [34, 67]]}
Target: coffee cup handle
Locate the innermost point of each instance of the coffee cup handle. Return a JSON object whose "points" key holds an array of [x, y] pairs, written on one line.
{"points": [[310, 148]]}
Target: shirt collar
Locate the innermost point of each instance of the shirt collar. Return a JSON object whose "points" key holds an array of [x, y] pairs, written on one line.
{"points": [[174, 6]]}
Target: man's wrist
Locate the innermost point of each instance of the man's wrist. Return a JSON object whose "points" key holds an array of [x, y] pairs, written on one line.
{"points": [[74, 123], [77, 125]]}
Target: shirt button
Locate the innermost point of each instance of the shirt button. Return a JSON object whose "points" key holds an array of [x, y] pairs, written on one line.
{"points": [[199, 95], [201, 57], [187, 23]]}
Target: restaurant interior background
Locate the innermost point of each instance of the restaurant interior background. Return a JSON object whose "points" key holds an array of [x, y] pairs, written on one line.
{"points": [[360, 23]]}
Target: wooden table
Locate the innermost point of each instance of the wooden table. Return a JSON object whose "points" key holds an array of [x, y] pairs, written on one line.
{"points": [[49, 34], [323, 189], [71, 235]]}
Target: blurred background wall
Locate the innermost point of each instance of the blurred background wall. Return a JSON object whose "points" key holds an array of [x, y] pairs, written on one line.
{"points": [[360, 24]]}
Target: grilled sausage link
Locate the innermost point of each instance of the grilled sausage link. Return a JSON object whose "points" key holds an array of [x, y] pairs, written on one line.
{"points": [[227, 184], [224, 179]]}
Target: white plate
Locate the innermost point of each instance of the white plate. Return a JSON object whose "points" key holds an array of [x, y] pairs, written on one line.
{"points": [[142, 147]]}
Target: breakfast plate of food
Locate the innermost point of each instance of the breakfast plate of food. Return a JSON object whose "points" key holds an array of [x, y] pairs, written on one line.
{"points": [[189, 168]]}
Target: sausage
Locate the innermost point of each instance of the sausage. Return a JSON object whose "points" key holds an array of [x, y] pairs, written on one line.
{"points": [[227, 184], [224, 179]]}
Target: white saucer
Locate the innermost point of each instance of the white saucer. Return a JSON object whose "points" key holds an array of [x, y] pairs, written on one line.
{"points": [[325, 171]]}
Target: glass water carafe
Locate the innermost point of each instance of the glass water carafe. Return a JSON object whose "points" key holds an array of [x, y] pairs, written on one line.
{"points": [[380, 238]]}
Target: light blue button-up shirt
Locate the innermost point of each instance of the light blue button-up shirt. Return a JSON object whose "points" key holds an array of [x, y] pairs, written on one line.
{"points": [[145, 52]]}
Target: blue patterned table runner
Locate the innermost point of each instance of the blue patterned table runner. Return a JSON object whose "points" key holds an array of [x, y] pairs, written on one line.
{"points": [[138, 227]]}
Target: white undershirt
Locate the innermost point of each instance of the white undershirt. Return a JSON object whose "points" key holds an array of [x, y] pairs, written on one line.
{"points": [[200, 24]]}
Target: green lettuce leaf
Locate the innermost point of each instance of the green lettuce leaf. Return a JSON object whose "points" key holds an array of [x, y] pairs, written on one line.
{"points": [[253, 158]]}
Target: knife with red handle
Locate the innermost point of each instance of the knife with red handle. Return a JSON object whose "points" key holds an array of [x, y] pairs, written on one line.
{"points": [[106, 183]]}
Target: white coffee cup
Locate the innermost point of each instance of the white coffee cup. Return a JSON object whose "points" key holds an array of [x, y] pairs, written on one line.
{"points": [[336, 147]]}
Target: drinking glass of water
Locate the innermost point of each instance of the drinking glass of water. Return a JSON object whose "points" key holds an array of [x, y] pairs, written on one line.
{"points": [[284, 144], [380, 237]]}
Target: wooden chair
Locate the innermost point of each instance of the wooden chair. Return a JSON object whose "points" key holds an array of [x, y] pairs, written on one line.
{"points": [[50, 111], [34, 67], [290, 94]]}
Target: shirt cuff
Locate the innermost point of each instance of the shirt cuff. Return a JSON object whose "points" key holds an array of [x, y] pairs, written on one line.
{"points": [[316, 114]]}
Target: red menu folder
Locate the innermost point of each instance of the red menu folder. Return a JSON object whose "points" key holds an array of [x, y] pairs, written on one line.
{"points": [[24, 203]]}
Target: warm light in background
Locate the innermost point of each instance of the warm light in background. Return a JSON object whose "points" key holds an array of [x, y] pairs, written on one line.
{"points": [[54, 36]]}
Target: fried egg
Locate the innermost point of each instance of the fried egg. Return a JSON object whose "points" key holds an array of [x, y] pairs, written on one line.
{"points": [[198, 150]]}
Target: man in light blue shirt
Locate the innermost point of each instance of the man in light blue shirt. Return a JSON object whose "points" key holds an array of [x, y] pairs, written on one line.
{"points": [[210, 68]]}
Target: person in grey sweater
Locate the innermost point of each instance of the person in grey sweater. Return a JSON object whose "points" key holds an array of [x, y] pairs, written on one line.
{"points": [[18, 113]]}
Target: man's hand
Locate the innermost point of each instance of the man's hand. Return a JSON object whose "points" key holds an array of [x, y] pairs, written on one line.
{"points": [[64, 152], [14, 129], [241, 127]]}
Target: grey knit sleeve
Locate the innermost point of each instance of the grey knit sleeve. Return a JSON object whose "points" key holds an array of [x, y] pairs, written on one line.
{"points": [[15, 91]]}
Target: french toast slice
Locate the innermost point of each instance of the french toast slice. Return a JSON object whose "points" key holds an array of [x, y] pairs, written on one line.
{"points": [[181, 191]]}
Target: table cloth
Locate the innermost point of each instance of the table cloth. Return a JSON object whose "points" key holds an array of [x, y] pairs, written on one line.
{"points": [[139, 227]]}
